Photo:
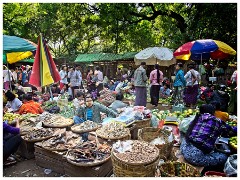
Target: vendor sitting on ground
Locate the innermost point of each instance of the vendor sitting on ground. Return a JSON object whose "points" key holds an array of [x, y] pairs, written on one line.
{"points": [[79, 99], [91, 111], [118, 104], [198, 145], [224, 116], [11, 142], [13, 103], [29, 106], [165, 91], [55, 90]]}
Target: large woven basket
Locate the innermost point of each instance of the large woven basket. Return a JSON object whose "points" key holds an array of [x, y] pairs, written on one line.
{"points": [[143, 123], [122, 169], [178, 169], [149, 133]]}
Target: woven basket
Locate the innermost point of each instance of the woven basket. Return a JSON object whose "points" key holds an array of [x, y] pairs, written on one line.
{"points": [[143, 123], [37, 140], [178, 169], [89, 164], [148, 134], [122, 169]]}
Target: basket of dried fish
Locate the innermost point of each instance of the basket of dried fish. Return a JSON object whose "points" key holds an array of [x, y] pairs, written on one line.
{"points": [[90, 153], [37, 135], [178, 169], [134, 158], [113, 131], [143, 123], [58, 122], [162, 138], [86, 126], [62, 141]]}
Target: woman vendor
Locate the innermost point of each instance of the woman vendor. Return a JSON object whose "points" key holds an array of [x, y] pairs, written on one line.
{"points": [[91, 111], [13, 102], [198, 145], [11, 142]]}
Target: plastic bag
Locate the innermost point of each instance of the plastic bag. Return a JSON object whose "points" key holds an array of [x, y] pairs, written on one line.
{"points": [[184, 124], [230, 167]]}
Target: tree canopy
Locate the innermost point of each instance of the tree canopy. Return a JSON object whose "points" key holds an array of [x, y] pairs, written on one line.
{"points": [[73, 28]]}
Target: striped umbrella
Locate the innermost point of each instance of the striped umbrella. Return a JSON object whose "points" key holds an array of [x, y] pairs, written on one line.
{"points": [[44, 71], [203, 50]]}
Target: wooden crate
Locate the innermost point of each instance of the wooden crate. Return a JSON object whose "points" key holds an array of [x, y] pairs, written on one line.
{"points": [[26, 150], [104, 170], [49, 159]]}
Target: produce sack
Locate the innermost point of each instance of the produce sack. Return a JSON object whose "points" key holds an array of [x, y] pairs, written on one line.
{"points": [[184, 124], [230, 167]]}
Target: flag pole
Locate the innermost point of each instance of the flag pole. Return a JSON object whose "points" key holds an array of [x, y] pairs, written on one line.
{"points": [[51, 92]]}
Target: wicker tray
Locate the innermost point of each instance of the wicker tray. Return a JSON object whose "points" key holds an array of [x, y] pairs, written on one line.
{"points": [[39, 139], [178, 169], [143, 123], [54, 149], [89, 164], [125, 137], [59, 126], [148, 134], [83, 131], [121, 169]]}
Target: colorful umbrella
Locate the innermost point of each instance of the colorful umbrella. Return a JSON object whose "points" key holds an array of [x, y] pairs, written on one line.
{"points": [[153, 55], [204, 50], [44, 71], [16, 48]]}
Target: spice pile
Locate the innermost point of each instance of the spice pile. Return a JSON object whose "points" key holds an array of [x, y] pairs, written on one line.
{"points": [[135, 152], [84, 127], [112, 130], [58, 121]]}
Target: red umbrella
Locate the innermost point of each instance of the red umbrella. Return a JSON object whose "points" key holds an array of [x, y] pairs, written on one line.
{"points": [[44, 71]]}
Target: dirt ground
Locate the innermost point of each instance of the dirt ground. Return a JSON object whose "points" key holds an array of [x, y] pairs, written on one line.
{"points": [[27, 168]]}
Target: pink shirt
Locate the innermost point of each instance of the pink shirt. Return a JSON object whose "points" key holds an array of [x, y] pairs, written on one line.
{"points": [[153, 77]]}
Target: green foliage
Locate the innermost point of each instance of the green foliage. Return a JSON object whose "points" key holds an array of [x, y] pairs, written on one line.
{"points": [[72, 28]]}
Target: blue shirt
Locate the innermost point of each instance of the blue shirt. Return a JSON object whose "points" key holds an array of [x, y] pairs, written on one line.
{"points": [[89, 113], [179, 79]]}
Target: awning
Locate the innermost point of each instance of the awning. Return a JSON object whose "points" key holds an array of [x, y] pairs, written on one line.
{"points": [[104, 57]]}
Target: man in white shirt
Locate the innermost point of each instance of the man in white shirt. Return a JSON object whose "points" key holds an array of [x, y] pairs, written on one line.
{"points": [[7, 78]]}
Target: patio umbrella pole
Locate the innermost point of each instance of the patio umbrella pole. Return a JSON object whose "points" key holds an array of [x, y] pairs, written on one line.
{"points": [[51, 92], [10, 82]]}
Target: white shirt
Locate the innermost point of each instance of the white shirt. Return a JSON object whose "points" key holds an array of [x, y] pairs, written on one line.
{"points": [[188, 77], [119, 86], [63, 77], [14, 105], [14, 75], [6, 75]]}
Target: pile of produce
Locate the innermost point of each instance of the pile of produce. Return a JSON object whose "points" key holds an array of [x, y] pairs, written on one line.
{"points": [[67, 113], [89, 152], [48, 105], [136, 152], [45, 116], [112, 130], [58, 121], [165, 101], [129, 97], [10, 117], [232, 121], [62, 141], [86, 126], [233, 142], [39, 134]]}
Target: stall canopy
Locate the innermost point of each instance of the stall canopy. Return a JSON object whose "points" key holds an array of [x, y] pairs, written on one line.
{"points": [[104, 57], [16, 48]]}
